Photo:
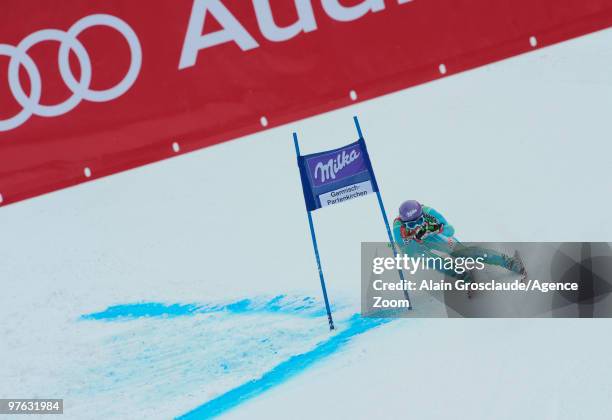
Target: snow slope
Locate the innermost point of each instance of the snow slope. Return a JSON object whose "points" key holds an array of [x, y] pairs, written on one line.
{"points": [[150, 294]]}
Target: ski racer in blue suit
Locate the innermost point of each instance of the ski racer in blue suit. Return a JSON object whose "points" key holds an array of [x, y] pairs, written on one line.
{"points": [[421, 230]]}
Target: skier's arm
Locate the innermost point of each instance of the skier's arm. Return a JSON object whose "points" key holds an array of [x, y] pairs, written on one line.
{"points": [[397, 233], [449, 230]]}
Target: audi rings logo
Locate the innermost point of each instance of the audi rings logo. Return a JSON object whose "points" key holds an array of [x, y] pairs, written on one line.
{"points": [[80, 88]]}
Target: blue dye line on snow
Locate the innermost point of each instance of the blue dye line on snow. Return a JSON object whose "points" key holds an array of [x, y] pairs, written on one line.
{"points": [[281, 304], [139, 310], [303, 306], [284, 371]]}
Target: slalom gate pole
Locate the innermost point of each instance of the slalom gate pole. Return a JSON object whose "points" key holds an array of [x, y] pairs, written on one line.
{"points": [[384, 214], [316, 249]]}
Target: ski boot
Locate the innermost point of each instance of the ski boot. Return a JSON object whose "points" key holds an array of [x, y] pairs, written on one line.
{"points": [[518, 266]]}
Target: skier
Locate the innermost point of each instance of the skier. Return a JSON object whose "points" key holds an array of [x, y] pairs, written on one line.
{"points": [[421, 230]]}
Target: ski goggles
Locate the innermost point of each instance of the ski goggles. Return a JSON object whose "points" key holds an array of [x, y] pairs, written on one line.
{"points": [[414, 223]]}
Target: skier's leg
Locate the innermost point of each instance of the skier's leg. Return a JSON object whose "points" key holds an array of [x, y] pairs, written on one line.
{"points": [[492, 257], [444, 245]]}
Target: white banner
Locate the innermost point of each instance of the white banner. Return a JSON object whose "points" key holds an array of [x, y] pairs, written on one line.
{"points": [[346, 193]]}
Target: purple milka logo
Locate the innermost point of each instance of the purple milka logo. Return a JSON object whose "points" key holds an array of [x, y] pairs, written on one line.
{"points": [[336, 165]]}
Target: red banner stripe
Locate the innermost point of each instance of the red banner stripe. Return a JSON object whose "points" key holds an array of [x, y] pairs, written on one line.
{"points": [[248, 72]]}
